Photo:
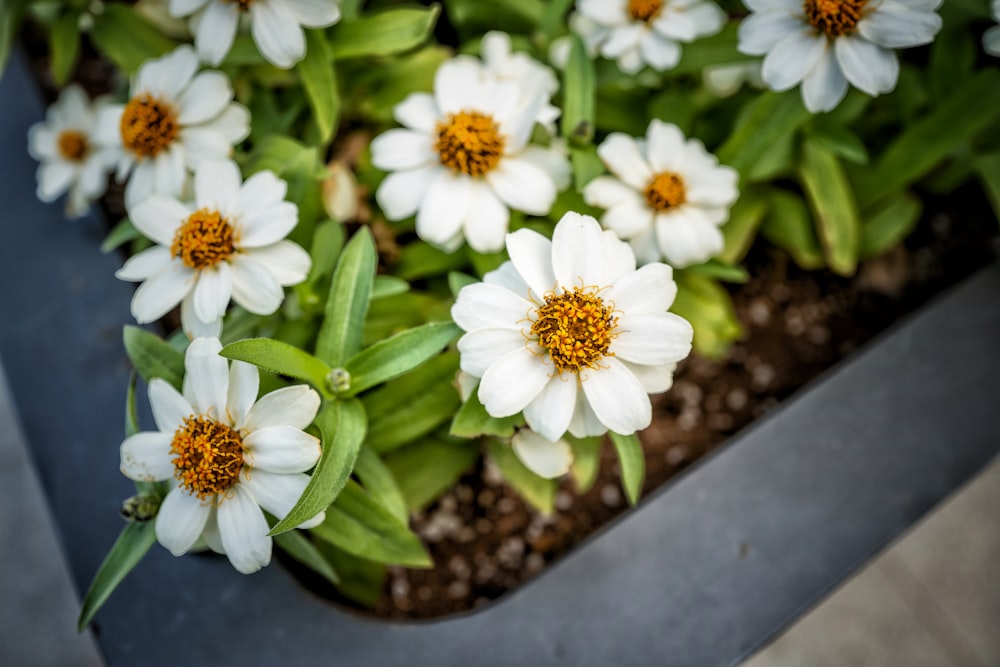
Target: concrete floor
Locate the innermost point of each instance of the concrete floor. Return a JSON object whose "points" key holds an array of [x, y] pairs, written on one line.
{"points": [[931, 598]]}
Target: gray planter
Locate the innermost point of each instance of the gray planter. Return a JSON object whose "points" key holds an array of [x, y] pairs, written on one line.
{"points": [[703, 572]]}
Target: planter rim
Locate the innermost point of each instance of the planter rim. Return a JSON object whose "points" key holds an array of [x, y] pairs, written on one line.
{"points": [[708, 568]]}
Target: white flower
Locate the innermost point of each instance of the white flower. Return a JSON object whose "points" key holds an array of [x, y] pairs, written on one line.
{"points": [[174, 121], [228, 244], [276, 25], [824, 44], [226, 454], [532, 77], [541, 456], [991, 38], [462, 161], [726, 80], [645, 32], [571, 333], [71, 160], [668, 196]]}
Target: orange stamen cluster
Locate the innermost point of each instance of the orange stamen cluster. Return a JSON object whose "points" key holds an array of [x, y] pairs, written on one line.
{"points": [[204, 240], [469, 142], [208, 456], [73, 145], [576, 328], [834, 17], [148, 125], [645, 10], [665, 191]]}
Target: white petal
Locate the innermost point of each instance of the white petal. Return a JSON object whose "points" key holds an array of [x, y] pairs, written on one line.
{"points": [[277, 493], [210, 533], [654, 379], [166, 76], [867, 66], [290, 406], [216, 31], [254, 287], [161, 292], [192, 326], [315, 13], [652, 340], [486, 224], [607, 192], [605, 12], [281, 449], [168, 171], [54, 178], [217, 185], [792, 59], [484, 306], [417, 111], [523, 186], [206, 378], [145, 457], [158, 218], [649, 290], [444, 207], [457, 85], [623, 157], [686, 237], [180, 520], [202, 144], [661, 53], [145, 264], [622, 40], [169, 407], [206, 97], [212, 292], [277, 34], [540, 456], [617, 397], [719, 189], [260, 190], [513, 382], [825, 86], [665, 146], [244, 383], [552, 161], [481, 348], [585, 422], [758, 33], [577, 251], [506, 276], [894, 25], [285, 260], [402, 149], [267, 225], [531, 254], [619, 259], [400, 193], [243, 530], [42, 142], [552, 410], [628, 218], [991, 41]]}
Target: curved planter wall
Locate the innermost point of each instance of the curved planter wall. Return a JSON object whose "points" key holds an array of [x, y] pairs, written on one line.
{"points": [[703, 572]]}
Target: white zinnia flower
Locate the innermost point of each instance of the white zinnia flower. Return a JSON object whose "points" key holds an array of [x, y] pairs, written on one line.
{"points": [[226, 454], [71, 160], [541, 456], [991, 38], [532, 77], [175, 120], [645, 32], [462, 161], [276, 25], [571, 333], [667, 197], [824, 44], [228, 243]]}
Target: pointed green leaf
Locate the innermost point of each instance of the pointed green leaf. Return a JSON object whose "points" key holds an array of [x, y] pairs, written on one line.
{"points": [[65, 44], [153, 357], [764, 122], [428, 468], [789, 226], [537, 491], [890, 223], [360, 526], [586, 166], [128, 40], [11, 12], [457, 280], [832, 201], [346, 306], [121, 233], [704, 303], [298, 546], [318, 74], [472, 420], [280, 357], [988, 170], [741, 229], [586, 461], [132, 544], [841, 142], [131, 414], [384, 33], [360, 580], [718, 49], [380, 483], [342, 425], [388, 286], [713, 268], [633, 464], [420, 260], [394, 356], [579, 87]]}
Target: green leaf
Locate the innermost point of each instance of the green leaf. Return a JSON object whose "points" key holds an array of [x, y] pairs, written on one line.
{"points": [[346, 306], [953, 56], [380, 483], [457, 280], [280, 357], [472, 420], [121, 233], [394, 356], [388, 286], [537, 491], [382, 34], [131, 414], [10, 24], [767, 120], [512, 16], [360, 580], [327, 242], [789, 226], [343, 425], [420, 260], [633, 464], [923, 144], [586, 166], [153, 357], [427, 469], [132, 544], [841, 142], [988, 170], [298, 546], [577, 123], [586, 461], [64, 40], [719, 49], [889, 224], [708, 307], [128, 40], [713, 268], [741, 229], [833, 207], [318, 74], [360, 526]]}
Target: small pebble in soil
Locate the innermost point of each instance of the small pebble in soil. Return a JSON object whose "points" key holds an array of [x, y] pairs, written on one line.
{"points": [[736, 399], [563, 501], [459, 567], [720, 421], [458, 590], [610, 495], [676, 455], [484, 526], [762, 377], [506, 505], [534, 562], [759, 312]]}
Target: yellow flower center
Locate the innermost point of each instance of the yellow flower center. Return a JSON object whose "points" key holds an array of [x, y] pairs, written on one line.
{"points": [[665, 191], [834, 17], [73, 145], [204, 240], [645, 10], [576, 328], [148, 125], [208, 456], [469, 142]]}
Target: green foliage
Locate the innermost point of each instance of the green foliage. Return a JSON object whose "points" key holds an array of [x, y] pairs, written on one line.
{"points": [[318, 77], [740, 230], [428, 468], [765, 122], [132, 544], [383, 34], [394, 356], [120, 234], [789, 226], [578, 95], [889, 223], [126, 39], [586, 461], [633, 464], [298, 546], [707, 306], [300, 166], [153, 357], [346, 306], [832, 201], [537, 491], [280, 357], [472, 420], [380, 483], [65, 45]]}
